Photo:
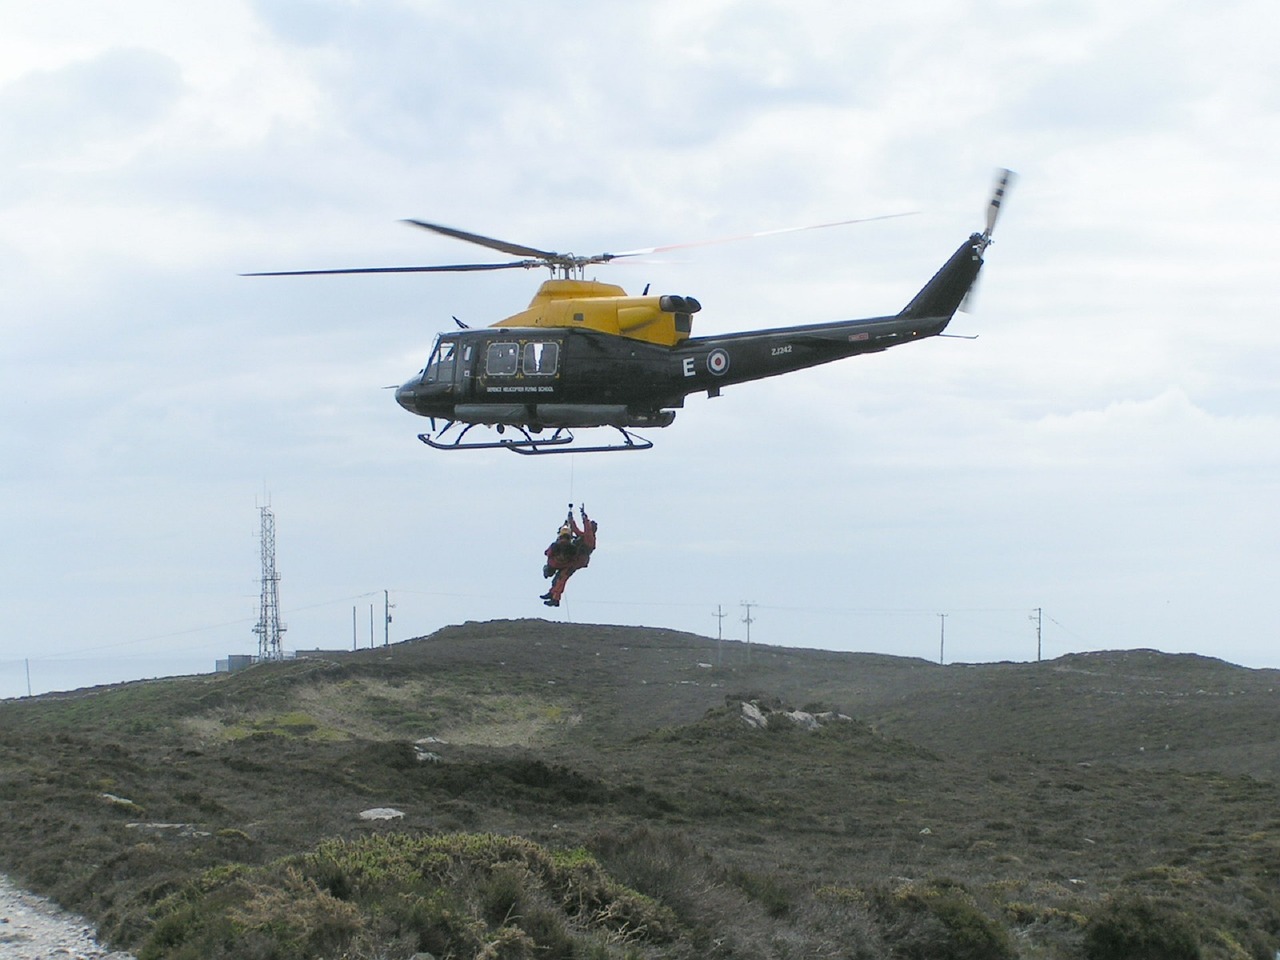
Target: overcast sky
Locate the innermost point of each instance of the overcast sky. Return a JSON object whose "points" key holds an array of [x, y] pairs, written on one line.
{"points": [[1106, 451]]}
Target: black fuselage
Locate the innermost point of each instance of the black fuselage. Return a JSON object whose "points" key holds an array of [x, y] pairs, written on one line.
{"points": [[537, 377]]}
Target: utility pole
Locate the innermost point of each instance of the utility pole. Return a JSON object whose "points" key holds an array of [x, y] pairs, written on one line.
{"points": [[748, 621], [269, 626], [387, 607], [354, 645], [942, 638], [719, 615], [1038, 617]]}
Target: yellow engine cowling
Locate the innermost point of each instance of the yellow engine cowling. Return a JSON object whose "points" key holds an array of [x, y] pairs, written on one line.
{"points": [[607, 308]]}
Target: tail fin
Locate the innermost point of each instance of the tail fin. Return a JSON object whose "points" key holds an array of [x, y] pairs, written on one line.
{"points": [[942, 296]]}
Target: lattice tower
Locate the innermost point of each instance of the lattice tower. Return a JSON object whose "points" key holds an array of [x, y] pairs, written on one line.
{"points": [[269, 626]]}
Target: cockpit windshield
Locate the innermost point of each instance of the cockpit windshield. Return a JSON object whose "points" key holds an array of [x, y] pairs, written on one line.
{"points": [[439, 367]]}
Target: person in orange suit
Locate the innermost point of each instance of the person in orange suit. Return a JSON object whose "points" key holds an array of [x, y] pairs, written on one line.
{"points": [[566, 561]]}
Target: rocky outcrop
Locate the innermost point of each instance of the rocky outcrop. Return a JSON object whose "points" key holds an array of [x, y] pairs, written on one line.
{"points": [[757, 715]]}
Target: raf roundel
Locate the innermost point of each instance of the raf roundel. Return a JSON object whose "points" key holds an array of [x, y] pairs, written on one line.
{"points": [[718, 362]]}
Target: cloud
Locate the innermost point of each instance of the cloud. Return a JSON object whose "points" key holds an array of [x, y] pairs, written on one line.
{"points": [[89, 112], [1103, 450]]}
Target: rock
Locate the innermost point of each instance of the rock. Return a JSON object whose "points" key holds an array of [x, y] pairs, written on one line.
{"points": [[421, 752], [381, 813], [124, 803], [753, 716], [802, 719], [830, 716], [172, 829], [757, 716]]}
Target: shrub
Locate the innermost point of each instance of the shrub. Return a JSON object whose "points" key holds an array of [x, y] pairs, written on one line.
{"points": [[460, 895], [939, 920], [1139, 928], [662, 865], [774, 896], [502, 892]]}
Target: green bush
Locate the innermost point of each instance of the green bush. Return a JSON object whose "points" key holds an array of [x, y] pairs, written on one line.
{"points": [[457, 895], [1139, 928], [940, 920], [660, 864], [774, 896]]}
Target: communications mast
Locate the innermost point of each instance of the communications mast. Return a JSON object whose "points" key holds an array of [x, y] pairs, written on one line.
{"points": [[269, 626]]}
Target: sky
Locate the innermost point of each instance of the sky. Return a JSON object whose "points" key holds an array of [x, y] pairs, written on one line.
{"points": [[1102, 462]]}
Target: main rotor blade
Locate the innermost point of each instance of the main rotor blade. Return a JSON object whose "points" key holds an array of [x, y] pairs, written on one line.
{"points": [[442, 268], [753, 236], [506, 246], [564, 262]]}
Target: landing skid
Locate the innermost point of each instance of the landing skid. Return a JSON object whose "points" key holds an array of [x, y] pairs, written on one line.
{"points": [[562, 441]]}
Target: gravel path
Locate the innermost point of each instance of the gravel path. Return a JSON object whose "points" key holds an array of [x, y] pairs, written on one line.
{"points": [[32, 928]]}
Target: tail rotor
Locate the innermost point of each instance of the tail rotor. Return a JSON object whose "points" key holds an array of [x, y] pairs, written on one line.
{"points": [[1004, 181]]}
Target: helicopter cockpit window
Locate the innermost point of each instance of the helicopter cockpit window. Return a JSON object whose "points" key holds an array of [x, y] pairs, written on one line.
{"points": [[440, 366], [502, 359], [541, 359]]}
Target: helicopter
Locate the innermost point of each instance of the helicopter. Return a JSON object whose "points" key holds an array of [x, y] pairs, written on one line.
{"points": [[584, 354]]}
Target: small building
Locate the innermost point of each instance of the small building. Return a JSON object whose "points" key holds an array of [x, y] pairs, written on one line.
{"points": [[236, 661]]}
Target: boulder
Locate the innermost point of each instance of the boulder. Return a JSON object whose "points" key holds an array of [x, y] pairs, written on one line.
{"points": [[753, 716], [381, 813]]}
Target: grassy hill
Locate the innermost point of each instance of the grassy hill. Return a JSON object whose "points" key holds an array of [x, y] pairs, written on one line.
{"points": [[584, 791]]}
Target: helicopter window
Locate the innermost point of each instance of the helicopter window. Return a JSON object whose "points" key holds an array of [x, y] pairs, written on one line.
{"points": [[502, 359], [440, 366], [541, 358]]}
